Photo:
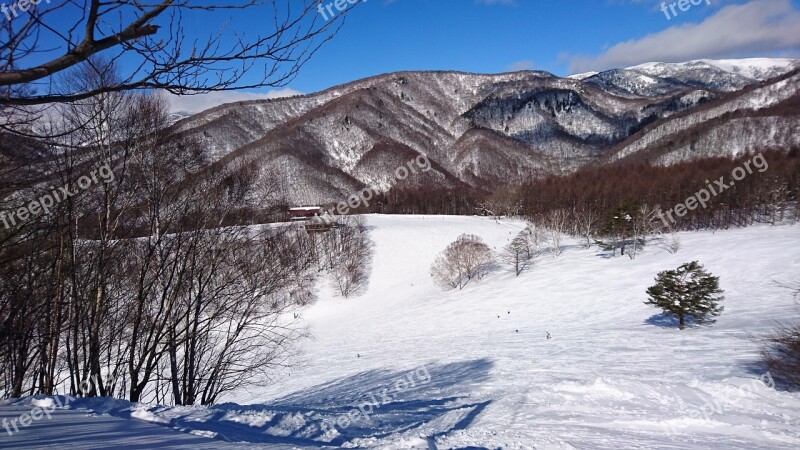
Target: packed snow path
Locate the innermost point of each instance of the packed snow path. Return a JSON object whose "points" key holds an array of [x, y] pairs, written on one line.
{"points": [[480, 371], [73, 429]]}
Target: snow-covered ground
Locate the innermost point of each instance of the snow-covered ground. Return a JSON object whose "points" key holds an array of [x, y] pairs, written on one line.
{"points": [[474, 368]]}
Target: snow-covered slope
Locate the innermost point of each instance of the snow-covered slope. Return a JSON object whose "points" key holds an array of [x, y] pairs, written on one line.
{"points": [[480, 372], [739, 124], [582, 76]]}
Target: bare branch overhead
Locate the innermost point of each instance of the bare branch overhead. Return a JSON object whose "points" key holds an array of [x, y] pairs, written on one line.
{"points": [[154, 50]]}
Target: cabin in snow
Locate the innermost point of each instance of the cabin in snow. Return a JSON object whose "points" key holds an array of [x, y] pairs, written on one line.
{"points": [[312, 217], [304, 213]]}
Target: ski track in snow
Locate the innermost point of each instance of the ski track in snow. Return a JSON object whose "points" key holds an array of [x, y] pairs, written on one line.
{"points": [[614, 374]]}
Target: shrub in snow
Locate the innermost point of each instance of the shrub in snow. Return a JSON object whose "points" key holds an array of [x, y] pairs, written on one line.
{"points": [[781, 354], [466, 259], [781, 350], [687, 292]]}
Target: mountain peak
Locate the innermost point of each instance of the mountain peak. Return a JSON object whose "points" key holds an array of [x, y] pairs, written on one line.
{"points": [[753, 68]]}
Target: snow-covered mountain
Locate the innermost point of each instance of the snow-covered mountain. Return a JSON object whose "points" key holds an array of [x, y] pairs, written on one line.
{"points": [[178, 115], [487, 130], [655, 79], [749, 68]]}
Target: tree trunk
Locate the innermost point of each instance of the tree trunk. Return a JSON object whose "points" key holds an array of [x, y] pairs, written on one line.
{"points": [[173, 366]]}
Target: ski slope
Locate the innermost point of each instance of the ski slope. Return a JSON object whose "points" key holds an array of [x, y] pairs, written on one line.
{"points": [[475, 368]]}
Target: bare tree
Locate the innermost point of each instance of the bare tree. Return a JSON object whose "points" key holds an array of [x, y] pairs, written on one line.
{"points": [[776, 197], [670, 241], [498, 205], [556, 222], [467, 258], [229, 328], [107, 129], [150, 285], [301, 278], [642, 225], [351, 256], [151, 39], [28, 316], [519, 253], [81, 250], [667, 237], [585, 224]]}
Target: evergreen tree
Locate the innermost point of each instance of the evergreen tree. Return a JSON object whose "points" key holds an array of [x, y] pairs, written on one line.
{"points": [[688, 291], [620, 228]]}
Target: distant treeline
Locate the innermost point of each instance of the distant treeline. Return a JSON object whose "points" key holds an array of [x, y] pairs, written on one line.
{"points": [[598, 191]]}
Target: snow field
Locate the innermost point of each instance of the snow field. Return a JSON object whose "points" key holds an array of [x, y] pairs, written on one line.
{"points": [[611, 372], [614, 374]]}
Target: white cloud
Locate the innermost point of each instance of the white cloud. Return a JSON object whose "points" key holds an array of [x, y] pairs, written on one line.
{"points": [[197, 103], [759, 27], [524, 64]]}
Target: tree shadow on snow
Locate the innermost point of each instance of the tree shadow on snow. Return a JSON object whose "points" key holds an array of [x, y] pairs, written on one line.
{"points": [[431, 400], [758, 369], [669, 321]]}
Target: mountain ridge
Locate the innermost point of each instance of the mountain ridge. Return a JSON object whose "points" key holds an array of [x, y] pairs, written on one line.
{"points": [[483, 130]]}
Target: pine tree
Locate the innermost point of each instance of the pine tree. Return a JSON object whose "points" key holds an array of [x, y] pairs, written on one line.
{"points": [[620, 227], [688, 291]]}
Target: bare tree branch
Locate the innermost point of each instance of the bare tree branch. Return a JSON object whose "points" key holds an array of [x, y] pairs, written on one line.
{"points": [[157, 51]]}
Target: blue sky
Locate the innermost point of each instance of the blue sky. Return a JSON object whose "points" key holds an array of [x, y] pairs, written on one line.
{"points": [[465, 35], [495, 36], [492, 36], [562, 37]]}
